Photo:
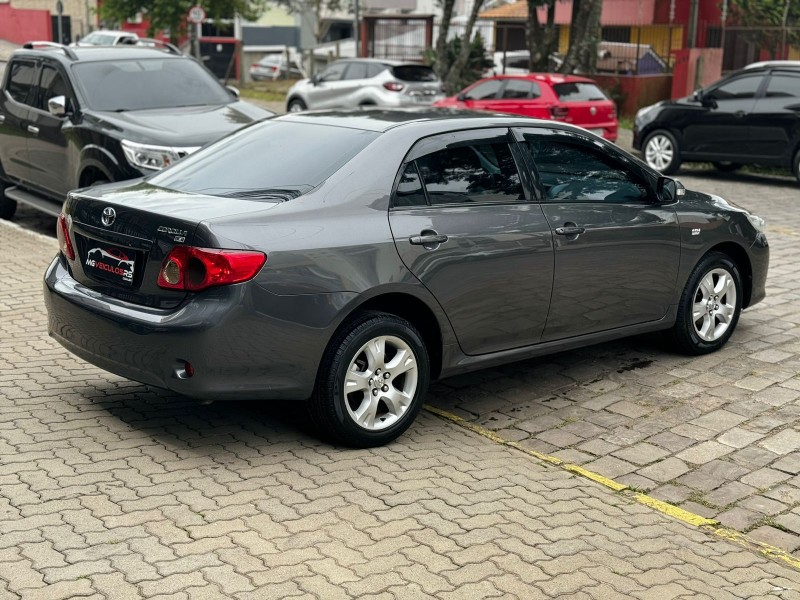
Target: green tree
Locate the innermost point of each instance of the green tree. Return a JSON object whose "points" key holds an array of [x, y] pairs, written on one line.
{"points": [[172, 14], [775, 21], [542, 39], [584, 37]]}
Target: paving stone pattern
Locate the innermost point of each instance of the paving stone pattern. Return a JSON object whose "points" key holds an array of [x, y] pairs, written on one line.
{"points": [[717, 435], [110, 489]]}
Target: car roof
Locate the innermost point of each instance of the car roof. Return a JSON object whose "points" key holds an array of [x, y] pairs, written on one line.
{"points": [[112, 31], [94, 53], [435, 120], [774, 64], [551, 78]]}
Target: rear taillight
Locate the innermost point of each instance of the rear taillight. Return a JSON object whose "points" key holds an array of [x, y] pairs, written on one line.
{"points": [[194, 269], [559, 112], [393, 86], [62, 231]]}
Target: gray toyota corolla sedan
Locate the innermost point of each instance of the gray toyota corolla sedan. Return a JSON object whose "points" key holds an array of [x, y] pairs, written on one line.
{"points": [[349, 258]]}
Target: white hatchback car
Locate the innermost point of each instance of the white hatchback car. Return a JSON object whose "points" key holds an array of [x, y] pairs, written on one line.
{"points": [[366, 82]]}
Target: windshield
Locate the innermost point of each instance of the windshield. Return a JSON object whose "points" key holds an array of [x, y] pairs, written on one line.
{"points": [[414, 73], [148, 83], [578, 92], [272, 160]]}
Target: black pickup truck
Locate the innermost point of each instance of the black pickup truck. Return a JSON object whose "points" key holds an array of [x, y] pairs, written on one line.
{"points": [[76, 117]]}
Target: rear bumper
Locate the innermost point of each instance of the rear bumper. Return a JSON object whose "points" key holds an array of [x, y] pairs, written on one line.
{"points": [[243, 342]]}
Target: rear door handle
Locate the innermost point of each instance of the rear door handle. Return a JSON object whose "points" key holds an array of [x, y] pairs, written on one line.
{"points": [[427, 240], [570, 230], [740, 114], [33, 129]]}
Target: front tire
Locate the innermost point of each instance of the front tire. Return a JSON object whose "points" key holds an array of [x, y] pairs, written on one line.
{"points": [[709, 307], [661, 152], [372, 381], [7, 206], [296, 105]]}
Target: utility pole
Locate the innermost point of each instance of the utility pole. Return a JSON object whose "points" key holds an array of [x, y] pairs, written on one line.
{"points": [[357, 33], [723, 21], [693, 16], [59, 20], [783, 32]]}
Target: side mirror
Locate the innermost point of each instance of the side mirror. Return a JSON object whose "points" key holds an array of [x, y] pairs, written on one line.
{"points": [[57, 106], [697, 96], [315, 80], [233, 90], [669, 190]]}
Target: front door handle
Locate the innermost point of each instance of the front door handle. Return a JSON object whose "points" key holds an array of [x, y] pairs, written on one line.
{"points": [[570, 230], [33, 129], [739, 114], [428, 239]]}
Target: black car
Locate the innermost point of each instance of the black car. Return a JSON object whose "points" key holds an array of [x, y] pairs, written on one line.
{"points": [[350, 257], [75, 117], [750, 117]]}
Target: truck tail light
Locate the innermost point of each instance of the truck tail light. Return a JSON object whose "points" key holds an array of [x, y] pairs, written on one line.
{"points": [[194, 269]]}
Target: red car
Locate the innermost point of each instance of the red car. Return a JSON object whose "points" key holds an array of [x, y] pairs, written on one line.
{"points": [[567, 98]]}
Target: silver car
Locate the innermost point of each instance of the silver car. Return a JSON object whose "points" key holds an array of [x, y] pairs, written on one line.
{"points": [[366, 82]]}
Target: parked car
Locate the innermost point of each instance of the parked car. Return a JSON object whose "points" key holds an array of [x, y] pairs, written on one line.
{"points": [[107, 37], [273, 66], [350, 257], [568, 98], [366, 82], [74, 117], [749, 117]]}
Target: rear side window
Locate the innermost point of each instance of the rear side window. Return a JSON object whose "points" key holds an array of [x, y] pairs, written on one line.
{"points": [[519, 88], [272, 160], [21, 81], [570, 172], [414, 73], [478, 172], [784, 85], [356, 70], [374, 69], [578, 92]]}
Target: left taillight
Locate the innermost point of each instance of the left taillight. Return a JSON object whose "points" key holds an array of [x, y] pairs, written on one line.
{"points": [[62, 231], [393, 86], [193, 269]]}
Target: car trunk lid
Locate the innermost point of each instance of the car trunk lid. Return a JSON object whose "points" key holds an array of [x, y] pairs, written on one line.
{"points": [[122, 238]]}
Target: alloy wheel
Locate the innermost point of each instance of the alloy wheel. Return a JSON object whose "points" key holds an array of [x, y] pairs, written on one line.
{"points": [[659, 152], [714, 304], [380, 382]]}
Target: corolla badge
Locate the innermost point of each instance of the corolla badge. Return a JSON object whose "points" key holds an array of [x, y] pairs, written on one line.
{"points": [[109, 215]]}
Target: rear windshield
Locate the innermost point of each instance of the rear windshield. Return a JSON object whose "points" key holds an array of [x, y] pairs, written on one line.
{"points": [[272, 160], [578, 92], [414, 73], [127, 84]]}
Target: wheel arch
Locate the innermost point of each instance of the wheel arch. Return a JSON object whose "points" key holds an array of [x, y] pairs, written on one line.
{"points": [[739, 256], [91, 173], [412, 309]]}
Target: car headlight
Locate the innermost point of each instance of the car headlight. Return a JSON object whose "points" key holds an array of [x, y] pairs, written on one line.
{"points": [[757, 222], [154, 158], [645, 115]]}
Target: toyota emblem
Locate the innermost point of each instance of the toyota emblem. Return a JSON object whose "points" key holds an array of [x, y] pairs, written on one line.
{"points": [[109, 214]]}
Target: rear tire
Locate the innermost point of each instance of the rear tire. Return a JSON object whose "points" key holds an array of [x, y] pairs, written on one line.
{"points": [[709, 307], [796, 165], [7, 206], [296, 105], [726, 166], [661, 152], [371, 382]]}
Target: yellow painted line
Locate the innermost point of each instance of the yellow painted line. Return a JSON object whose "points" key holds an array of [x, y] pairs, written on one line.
{"points": [[690, 518]]}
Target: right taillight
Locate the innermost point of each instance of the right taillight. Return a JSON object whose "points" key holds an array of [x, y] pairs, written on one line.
{"points": [[559, 112], [62, 231], [194, 269]]}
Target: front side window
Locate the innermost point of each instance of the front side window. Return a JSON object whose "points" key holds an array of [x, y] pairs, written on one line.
{"points": [[484, 91], [333, 73], [740, 88], [571, 172], [476, 172], [784, 85], [142, 84], [20, 83], [51, 84]]}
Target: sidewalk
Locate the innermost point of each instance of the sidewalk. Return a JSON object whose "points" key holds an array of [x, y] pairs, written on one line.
{"points": [[112, 490]]}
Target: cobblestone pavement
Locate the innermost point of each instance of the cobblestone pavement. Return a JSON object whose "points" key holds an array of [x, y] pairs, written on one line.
{"points": [[717, 435], [110, 489]]}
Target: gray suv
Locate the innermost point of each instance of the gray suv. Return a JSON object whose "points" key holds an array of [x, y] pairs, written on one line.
{"points": [[366, 82]]}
